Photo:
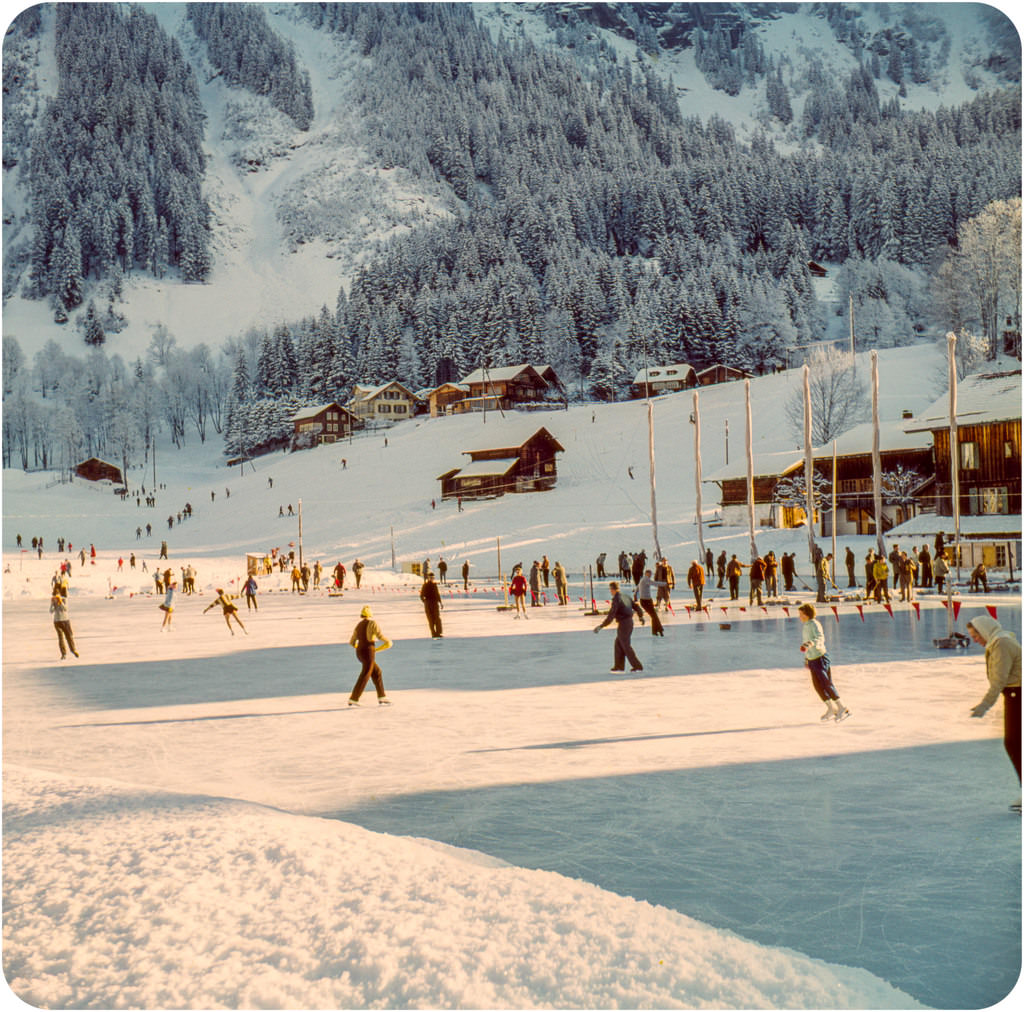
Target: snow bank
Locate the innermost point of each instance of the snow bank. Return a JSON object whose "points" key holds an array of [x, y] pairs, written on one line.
{"points": [[123, 897]]}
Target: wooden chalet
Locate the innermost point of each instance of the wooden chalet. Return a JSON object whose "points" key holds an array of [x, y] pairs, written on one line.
{"points": [[719, 373], [988, 436], [322, 423], [816, 270], [386, 403], [95, 469], [528, 466], [663, 379], [508, 387], [854, 481]]}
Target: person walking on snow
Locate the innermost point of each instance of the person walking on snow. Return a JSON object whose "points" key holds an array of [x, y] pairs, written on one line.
{"points": [[62, 623], [812, 646], [1002, 665], [621, 612], [430, 595], [365, 639], [230, 609]]}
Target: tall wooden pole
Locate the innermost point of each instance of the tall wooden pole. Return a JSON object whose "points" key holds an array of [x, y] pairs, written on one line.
{"points": [[809, 464], [750, 473], [954, 448], [697, 474], [654, 502], [876, 456]]}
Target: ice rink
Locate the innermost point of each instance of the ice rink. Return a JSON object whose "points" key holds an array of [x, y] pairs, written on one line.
{"points": [[706, 784]]}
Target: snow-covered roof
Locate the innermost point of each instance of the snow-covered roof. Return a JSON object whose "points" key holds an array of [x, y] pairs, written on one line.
{"points": [[511, 432], [484, 468], [361, 393], [992, 526], [854, 442], [501, 374], [315, 409], [664, 373], [980, 398]]}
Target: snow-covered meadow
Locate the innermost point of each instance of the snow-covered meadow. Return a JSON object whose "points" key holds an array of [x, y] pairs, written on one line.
{"points": [[195, 819]]}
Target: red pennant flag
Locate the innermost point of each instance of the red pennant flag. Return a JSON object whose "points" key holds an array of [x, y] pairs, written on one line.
{"points": [[917, 609], [742, 608], [707, 611], [956, 610], [725, 611], [991, 609], [945, 604], [860, 608], [786, 610], [835, 611], [888, 608], [687, 611]]}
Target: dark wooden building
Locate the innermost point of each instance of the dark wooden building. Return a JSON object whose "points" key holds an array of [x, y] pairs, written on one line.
{"points": [[493, 471], [322, 423], [95, 469], [508, 387], [719, 373], [988, 445]]}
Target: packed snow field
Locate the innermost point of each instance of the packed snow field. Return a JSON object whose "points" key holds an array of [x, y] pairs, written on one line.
{"points": [[197, 819]]}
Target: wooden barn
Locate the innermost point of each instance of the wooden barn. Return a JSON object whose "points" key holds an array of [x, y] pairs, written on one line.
{"points": [[493, 471], [95, 469], [854, 481], [988, 445], [719, 373]]}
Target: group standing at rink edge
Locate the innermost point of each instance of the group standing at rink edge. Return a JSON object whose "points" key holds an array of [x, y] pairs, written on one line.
{"points": [[652, 594]]}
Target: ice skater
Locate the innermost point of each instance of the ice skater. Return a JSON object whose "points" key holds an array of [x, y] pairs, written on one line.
{"points": [[168, 605], [1002, 665], [365, 637], [621, 612], [517, 588], [62, 623], [230, 609], [815, 658], [430, 595]]}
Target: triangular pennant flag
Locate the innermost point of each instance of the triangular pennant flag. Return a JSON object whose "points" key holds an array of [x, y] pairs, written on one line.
{"points": [[786, 610], [835, 611], [707, 611], [725, 611], [991, 609], [687, 610], [742, 608], [917, 609], [956, 610], [945, 604], [888, 608], [860, 608]]}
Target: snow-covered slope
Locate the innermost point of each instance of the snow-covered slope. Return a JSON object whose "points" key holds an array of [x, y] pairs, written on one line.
{"points": [[296, 212]]}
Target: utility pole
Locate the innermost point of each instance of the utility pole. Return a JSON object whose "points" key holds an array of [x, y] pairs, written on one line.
{"points": [[300, 534]]}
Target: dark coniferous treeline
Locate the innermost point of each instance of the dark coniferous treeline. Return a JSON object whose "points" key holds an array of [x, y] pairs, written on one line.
{"points": [[248, 53], [116, 164]]}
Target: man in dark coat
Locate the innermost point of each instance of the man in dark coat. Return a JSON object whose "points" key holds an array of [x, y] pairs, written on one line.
{"points": [[430, 595], [851, 567], [721, 563], [788, 570], [621, 612], [639, 563]]}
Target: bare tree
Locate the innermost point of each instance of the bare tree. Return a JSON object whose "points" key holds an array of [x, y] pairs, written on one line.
{"points": [[839, 398]]}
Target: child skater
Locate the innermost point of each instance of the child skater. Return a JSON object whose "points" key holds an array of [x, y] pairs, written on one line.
{"points": [[168, 606], [813, 649], [227, 603]]}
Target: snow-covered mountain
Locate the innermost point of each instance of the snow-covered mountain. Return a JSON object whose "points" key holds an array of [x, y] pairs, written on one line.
{"points": [[295, 212]]}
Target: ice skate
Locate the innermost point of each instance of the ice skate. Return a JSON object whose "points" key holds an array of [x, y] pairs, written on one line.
{"points": [[354, 702], [842, 714], [383, 701]]}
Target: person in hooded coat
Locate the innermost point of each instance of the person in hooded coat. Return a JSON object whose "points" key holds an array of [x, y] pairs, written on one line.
{"points": [[1002, 665]]}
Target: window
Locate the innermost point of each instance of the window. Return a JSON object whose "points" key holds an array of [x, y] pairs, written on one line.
{"points": [[969, 456], [1008, 449], [994, 500]]}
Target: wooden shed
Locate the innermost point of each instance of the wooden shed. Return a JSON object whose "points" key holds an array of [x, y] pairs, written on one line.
{"points": [[95, 469], [495, 470]]}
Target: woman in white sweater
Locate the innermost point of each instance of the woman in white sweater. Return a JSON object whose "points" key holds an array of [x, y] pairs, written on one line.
{"points": [[812, 646]]}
